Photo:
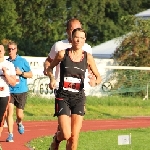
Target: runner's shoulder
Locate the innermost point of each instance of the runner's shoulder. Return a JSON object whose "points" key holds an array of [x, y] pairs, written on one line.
{"points": [[61, 42]]}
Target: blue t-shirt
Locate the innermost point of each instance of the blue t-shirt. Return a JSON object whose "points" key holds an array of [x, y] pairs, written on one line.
{"points": [[21, 85]]}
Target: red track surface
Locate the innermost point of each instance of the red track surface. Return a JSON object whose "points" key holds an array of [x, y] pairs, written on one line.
{"points": [[44, 128]]}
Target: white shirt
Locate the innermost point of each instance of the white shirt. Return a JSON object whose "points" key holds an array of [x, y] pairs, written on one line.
{"points": [[3, 83], [63, 45]]}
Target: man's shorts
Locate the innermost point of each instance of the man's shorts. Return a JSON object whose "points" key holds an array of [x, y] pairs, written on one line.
{"points": [[67, 103], [3, 107], [19, 99]]}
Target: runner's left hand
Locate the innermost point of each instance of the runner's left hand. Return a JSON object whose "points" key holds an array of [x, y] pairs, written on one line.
{"points": [[52, 84]]}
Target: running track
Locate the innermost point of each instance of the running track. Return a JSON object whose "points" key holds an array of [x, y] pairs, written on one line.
{"points": [[43, 128]]}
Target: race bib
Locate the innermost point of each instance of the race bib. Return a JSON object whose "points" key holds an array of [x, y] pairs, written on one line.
{"points": [[72, 84], [17, 80], [1, 88]]}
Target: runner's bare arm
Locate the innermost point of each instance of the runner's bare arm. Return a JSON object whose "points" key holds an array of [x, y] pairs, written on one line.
{"points": [[47, 64], [91, 77], [59, 56], [90, 73], [28, 74], [93, 68], [11, 79]]}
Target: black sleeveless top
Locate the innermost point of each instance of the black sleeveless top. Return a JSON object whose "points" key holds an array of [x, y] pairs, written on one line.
{"points": [[68, 68]]}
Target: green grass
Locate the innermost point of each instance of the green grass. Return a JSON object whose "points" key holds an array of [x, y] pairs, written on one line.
{"points": [[96, 108], [102, 140], [39, 109], [111, 107]]}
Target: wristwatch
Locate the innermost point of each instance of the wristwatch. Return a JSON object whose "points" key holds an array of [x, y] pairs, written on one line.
{"points": [[22, 74]]}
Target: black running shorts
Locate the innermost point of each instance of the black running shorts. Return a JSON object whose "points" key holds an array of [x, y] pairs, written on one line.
{"points": [[67, 103], [4, 101], [19, 99]]}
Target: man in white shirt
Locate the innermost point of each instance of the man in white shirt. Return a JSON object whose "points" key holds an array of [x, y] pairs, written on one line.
{"points": [[63, 45], [7, 77]]}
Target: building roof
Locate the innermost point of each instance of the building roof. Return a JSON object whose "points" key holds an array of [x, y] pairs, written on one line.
{"points": [[106, 50], [145, 13]]}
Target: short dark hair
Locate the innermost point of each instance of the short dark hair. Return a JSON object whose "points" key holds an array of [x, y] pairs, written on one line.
{"points": [[72, 20], [78, 29]]}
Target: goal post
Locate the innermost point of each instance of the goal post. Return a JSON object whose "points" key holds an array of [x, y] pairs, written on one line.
{"points": [[126, 80]]}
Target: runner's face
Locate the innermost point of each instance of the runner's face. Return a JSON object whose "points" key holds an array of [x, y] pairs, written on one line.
{"points": [[2, 51], [73, 25], [78, 39], [12, 50]]}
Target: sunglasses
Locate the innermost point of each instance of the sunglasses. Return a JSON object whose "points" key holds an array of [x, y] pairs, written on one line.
{"points": [[11, 49]]}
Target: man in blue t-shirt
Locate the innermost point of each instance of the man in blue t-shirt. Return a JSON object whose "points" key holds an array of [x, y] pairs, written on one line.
{"points": [[19, 92]]}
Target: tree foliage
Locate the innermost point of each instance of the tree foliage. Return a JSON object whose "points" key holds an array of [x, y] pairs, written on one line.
{"points": [[8, 20], [37, 24], [134, 49]]}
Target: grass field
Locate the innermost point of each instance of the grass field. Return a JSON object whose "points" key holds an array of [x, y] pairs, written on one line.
{"points": [[102, 140], [96, 108], [113, 107]]}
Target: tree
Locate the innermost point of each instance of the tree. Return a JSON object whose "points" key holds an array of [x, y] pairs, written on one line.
{"points": [[134, 50], [36, 24], [8, 20], [101, 19], [91, 14], [42, 24], [131, 7]]}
